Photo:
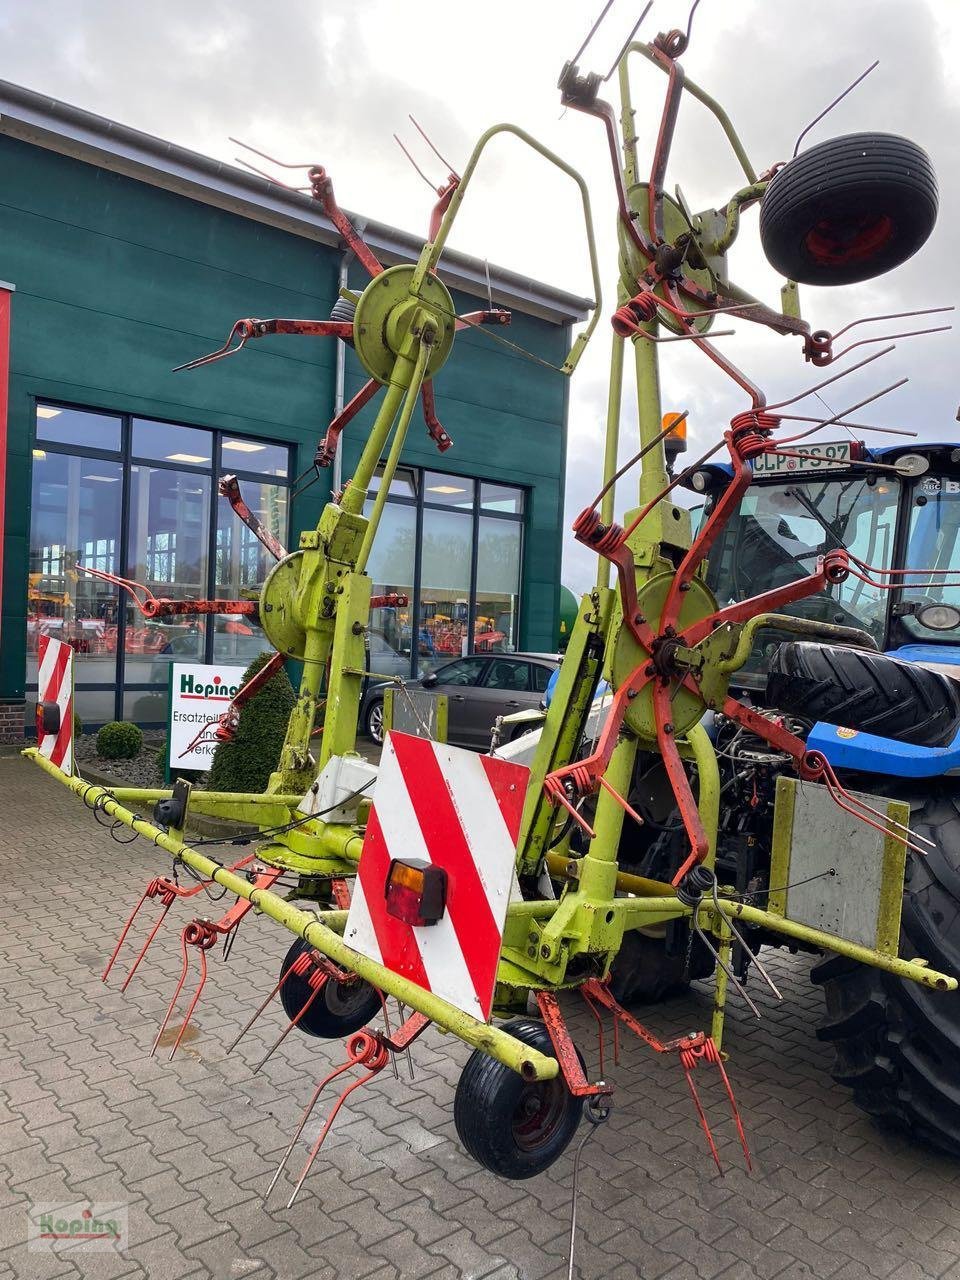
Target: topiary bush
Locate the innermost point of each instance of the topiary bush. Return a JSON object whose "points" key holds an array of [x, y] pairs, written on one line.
{"points": [[77, 725], [245, 764], [119, 740]]}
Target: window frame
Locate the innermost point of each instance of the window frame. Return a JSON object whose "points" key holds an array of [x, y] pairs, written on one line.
{"points": [[421, 503], [127, 459]]}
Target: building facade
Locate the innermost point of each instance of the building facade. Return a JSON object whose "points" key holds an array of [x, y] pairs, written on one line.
{"points": [[125, 257]]}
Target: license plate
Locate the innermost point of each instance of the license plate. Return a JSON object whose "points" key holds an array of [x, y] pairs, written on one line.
{"points": [[818, 457]]}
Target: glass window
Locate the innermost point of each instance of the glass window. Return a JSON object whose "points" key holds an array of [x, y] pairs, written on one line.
{"points": [[508, 673], [541, 677], [167, 442], [169, 534], [56, 425], [147, 707], [240, 453], [391, 566], [403, 484], [466, 671], [934, 544], [501, 497], [447, 491], [242, 564], [444, 615], [94, 706], [498, 585], [75, 521]]}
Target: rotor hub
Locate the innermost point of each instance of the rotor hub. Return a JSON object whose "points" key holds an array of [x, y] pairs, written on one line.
{"points": [[387, 310]]}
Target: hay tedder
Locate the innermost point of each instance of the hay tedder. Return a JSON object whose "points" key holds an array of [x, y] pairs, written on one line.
{"points": [[678, 809]]}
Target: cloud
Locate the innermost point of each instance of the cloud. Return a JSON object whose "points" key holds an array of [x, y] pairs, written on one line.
{"points": [[332, 83]]}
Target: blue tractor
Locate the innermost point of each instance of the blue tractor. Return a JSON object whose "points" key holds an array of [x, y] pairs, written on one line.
{"points": [[884, 710]]}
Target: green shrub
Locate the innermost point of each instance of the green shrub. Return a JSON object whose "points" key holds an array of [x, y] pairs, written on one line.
{"points": [[245, 764], [119, 740], [77, 726]]}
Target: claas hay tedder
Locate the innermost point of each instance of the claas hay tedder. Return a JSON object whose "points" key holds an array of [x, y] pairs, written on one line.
{"points": [[728, 762]]}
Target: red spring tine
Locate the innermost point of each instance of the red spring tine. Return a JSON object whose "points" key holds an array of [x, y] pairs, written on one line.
{"points": [[168, 903], [716, 1057], [126, 929], [317, 980], [193, 1002], [295, 967], [373, 1060], [361, 1046], [176, 994], [688, 1072]]}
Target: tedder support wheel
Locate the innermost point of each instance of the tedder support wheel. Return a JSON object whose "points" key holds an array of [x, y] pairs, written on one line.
{"points": [[868, 691], [897, 1043], [848, 209], [514, 1127], [340, 1008]]}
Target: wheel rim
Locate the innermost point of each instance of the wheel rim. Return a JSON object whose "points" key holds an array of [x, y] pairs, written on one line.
{"points": [[344, 999], [375, 722], [539, 1114], [835, 243]]}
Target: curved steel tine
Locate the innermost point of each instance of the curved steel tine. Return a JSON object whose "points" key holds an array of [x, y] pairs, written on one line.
{"points": [[240, 328], [723, 965], [337, 1071], [755, 959]]}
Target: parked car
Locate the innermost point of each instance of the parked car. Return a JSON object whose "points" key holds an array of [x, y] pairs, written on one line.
{"points": [[478, 688]]}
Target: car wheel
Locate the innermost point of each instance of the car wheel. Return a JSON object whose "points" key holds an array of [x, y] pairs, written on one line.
{"points": [[373, 721]]}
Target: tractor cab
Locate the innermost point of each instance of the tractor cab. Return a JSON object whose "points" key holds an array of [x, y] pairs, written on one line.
{"points": [[905, 515]]}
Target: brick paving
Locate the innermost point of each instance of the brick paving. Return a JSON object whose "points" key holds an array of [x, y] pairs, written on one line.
{"points": [[189, 1146]]}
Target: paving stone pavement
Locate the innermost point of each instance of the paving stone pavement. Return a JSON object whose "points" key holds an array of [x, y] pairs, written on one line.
{"points": [[189, 1146]]}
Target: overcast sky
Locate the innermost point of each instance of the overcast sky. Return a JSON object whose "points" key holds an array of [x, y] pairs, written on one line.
{"points": [[332, 80]]}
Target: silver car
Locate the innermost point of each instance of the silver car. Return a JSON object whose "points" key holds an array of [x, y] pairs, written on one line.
{"points": [[478, 688]]}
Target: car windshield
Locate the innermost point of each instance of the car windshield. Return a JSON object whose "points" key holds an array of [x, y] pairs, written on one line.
{"points": [[781, 529], [933, 544]]}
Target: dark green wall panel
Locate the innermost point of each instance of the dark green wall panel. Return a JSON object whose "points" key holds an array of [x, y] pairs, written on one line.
{"points": [[118, 281]]}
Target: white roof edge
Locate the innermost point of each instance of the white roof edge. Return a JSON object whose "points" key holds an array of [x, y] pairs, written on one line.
{"points": [[47, 122]]}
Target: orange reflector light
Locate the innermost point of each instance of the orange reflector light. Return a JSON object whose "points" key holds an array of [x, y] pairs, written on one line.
{"points": [[416, 891]]}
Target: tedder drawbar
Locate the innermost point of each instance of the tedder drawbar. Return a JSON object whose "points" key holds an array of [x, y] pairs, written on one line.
{"points": [[670, 817]]}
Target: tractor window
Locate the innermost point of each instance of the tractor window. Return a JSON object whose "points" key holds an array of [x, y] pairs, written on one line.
{"points": [[780, 531], [934, 544]]}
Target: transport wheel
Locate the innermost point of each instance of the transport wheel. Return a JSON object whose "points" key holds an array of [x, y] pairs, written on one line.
{"points": [[848, 209], [897, 1044], [340, 1009], [514, 1127], [373, 721], [862, 690]]}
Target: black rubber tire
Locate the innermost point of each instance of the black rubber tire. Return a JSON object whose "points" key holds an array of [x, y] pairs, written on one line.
{"points": [[491, 1101], [339, 1009], [859, 689], [849, 209], [897, 1044], [375, 704]]}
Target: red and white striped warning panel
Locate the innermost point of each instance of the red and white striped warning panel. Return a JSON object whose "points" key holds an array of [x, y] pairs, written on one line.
{"points": [[459, 811], [55, 687]]}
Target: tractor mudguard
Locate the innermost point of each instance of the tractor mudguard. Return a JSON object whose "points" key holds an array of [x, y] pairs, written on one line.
{"points": [[865, 752]]}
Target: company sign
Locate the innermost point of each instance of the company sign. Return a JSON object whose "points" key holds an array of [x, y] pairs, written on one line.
{"points": [[199, 695]]}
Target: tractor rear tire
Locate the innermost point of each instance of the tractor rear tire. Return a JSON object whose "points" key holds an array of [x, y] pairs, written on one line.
{"points": [[862, 690], [848, 209], [897, 1044]]}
